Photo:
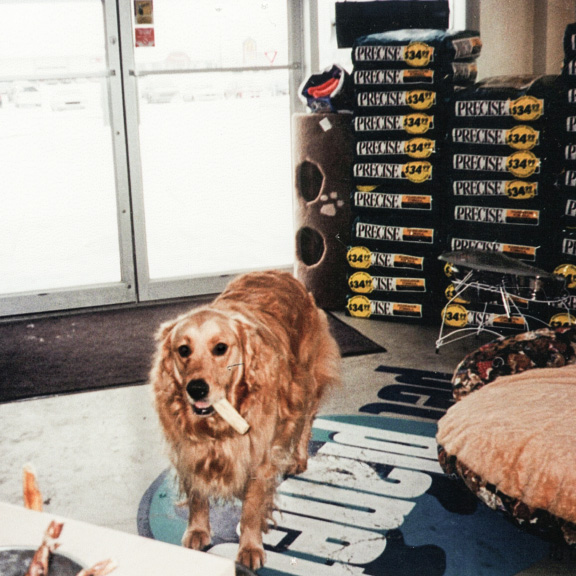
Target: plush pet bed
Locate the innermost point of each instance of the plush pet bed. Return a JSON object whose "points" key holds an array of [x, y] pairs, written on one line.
{"points": [[544, 348], [512, 441]]}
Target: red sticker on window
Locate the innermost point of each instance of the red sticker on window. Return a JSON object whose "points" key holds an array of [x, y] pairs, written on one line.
{"points": [[144, 37]]}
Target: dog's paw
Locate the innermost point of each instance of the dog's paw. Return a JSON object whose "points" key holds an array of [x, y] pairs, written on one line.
{"points": [[196, 539], [252, 557], [298, 466]]}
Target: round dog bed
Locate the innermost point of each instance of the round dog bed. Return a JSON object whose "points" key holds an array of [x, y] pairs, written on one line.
{"points": [[512, 441], [544, 348]]}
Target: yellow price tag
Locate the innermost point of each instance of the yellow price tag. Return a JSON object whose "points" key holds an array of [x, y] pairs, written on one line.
{"points": [[359, 306]]}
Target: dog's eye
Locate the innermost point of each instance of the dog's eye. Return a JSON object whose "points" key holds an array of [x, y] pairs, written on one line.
{"points": [[220, 349], [184, 351]]}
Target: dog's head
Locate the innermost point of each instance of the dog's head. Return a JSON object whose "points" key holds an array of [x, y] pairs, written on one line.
{"points": [[208, 355]]}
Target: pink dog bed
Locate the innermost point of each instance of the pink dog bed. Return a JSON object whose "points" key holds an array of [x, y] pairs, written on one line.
{"points": [[512, 440]]}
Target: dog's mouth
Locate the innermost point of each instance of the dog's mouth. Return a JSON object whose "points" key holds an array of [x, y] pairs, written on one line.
{"points": [[201, 408]]}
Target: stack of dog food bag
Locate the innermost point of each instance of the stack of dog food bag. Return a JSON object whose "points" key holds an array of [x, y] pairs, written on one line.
{"points": [[500, 190], [403, 81], [564, 260]]}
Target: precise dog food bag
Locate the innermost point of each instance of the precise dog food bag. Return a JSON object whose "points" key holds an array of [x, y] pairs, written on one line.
{"points": [[396, 236], [402, 101], [514, 191], [518, 164], [504, 101], [519, 137], [417, 148], [417, 208], [392, 309], [460, 73], [469, 316], [531, 248], [362, 282], [570, 41], [409, 172], [416, 48], [362, 258], [497, 216], [401, 203], [398, 125], [510, 194]]}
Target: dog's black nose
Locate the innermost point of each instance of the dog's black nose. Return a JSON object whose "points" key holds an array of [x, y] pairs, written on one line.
{"points": [[197, 389]]}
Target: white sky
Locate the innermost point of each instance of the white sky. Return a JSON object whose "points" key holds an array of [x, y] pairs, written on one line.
{"points": [[51, 28], [48, 28]]}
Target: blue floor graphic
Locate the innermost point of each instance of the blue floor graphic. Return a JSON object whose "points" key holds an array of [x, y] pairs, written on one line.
{"points": [[413, 393], [373, 502]]}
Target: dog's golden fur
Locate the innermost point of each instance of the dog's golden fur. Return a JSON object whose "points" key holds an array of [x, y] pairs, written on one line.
{"points": [[265, 346]]}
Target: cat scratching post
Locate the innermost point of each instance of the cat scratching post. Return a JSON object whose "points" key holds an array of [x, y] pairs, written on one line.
{"points": [[323, 154]]}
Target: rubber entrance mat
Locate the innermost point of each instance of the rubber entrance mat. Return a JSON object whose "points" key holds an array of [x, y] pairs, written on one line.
{"points": [[373, 501], [89, 351]]}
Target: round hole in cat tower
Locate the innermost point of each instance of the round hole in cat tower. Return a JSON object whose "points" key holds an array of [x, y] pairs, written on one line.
{"points": [[310, 246], [309, 180]]}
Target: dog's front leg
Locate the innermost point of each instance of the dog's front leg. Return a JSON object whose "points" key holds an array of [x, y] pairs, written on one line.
{"points": [[197, 535], [257, 507]]}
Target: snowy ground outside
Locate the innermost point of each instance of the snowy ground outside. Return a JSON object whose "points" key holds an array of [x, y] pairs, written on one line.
{"points": [[217, 188]]}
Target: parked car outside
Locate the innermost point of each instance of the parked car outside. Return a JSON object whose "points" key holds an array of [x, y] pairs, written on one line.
{"points": [[207, 92], [160, 91], [27, 97], [67, 100]]}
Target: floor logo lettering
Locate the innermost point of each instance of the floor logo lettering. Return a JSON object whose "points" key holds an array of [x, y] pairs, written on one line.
{"points": [[373, 502], [416, 393]]}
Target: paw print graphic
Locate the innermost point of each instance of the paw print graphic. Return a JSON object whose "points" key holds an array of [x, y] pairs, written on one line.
{"points": [[331, 204]]}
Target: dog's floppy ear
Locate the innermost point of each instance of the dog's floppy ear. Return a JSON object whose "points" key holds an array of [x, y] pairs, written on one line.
{"points": [[265, 354], [270, 388], [165, 330], [170, 403], [164, 362]]}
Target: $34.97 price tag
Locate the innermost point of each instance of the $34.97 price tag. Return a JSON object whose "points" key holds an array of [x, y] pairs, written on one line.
{"points": [[359, 306]]}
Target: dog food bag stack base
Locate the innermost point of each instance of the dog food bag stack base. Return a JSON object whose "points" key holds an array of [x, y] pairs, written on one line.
{"points": [[500, 193], [564, 260], [403, 80]]}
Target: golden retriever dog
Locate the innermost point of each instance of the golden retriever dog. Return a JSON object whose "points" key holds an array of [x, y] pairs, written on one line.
{"points": [[265, 347]]}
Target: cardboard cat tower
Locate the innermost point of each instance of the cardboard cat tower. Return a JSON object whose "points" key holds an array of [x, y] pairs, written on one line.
{"points": [[323, 152]]}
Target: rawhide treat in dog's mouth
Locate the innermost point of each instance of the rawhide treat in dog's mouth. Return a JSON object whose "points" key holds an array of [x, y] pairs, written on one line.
{"points": [[231, 415]]}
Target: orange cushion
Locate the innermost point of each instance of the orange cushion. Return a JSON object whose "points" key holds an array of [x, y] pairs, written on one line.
{"points": [[519, 434]]}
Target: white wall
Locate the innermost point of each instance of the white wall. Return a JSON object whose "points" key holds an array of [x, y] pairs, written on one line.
{"points": [[559, 13], [523, 36]]}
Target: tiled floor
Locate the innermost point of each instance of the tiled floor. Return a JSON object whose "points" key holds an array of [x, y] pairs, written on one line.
{"points": [[96, 453]]}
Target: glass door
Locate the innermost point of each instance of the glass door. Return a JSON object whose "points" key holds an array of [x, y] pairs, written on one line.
{"points": [[209, 139], [65, 221], [145, 147]]}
